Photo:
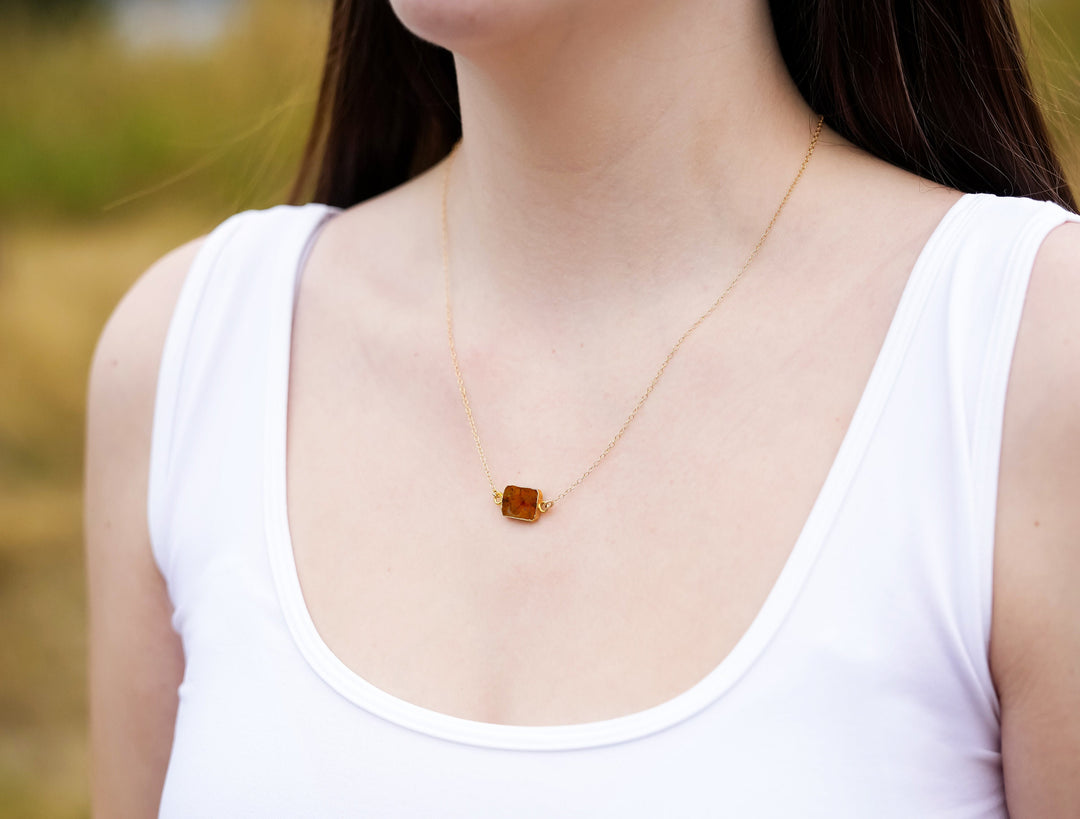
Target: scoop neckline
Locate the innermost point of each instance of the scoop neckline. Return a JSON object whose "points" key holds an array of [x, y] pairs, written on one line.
{"points": [[765, 624]]}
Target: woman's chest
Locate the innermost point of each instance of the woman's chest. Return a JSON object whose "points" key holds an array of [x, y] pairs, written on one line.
{"points": [[630, 590]]}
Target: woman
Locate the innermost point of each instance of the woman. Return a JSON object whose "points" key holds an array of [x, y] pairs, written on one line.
{"points": [[771, 594]]}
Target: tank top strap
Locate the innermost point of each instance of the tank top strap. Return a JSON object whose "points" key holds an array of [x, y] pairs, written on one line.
{"points": [[218, 332]]}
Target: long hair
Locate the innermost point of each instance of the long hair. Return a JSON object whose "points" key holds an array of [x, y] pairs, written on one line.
{"points": [[940, 88]]}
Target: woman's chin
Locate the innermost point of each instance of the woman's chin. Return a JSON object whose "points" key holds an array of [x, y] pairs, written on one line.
{"points": [[476, 26]]}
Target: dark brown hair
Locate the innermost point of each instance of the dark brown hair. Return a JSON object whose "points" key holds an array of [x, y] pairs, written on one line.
{"points": [[938, 87]]}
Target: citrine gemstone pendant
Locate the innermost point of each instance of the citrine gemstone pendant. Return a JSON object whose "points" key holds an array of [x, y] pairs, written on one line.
{"points": [[522, 503]]}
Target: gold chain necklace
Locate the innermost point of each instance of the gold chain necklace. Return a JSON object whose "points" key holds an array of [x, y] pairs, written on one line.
{"points": [[522, 503]]}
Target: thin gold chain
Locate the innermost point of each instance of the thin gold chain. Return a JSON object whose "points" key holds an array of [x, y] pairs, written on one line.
{"points": [[547, 504]]}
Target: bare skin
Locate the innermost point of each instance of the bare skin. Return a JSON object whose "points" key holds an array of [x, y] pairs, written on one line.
{"points": [[585, 237]]}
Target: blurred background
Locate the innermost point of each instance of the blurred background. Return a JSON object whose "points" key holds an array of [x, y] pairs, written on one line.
{"points": [[128, 127]]}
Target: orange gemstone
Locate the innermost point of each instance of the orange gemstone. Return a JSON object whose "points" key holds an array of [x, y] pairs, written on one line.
{"points": [[521, 503]]}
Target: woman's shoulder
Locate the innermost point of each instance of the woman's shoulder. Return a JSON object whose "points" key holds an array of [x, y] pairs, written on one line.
{"points": [[123, 374], [1035, 639], [141, 316], [124, 363], [1041, 445], [120, 400], [128, 350]]}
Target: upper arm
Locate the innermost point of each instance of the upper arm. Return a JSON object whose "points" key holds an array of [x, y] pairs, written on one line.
{"points": [[1035, 642], [135, 660]]}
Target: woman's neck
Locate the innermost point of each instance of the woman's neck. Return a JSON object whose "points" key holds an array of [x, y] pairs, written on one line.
{"points": [[613, 147]]}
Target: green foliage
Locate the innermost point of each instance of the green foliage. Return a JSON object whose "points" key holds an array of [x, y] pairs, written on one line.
{"points": [[87, 124], [51, 11], [1051, 32]]}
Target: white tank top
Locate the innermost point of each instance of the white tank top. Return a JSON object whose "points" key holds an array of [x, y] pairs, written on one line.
{"points": [[861, 688]]}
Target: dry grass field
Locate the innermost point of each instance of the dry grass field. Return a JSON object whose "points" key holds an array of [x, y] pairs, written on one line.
{"points": [[109, 158]]}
